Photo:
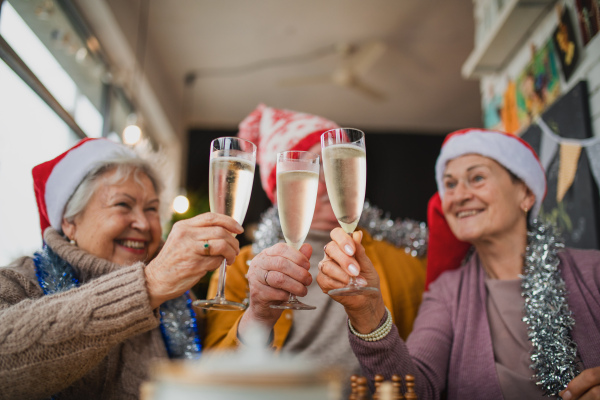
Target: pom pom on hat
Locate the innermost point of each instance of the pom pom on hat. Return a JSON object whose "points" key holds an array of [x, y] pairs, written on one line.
{"points": [[444, 251], [55, 181], [276, 130]]}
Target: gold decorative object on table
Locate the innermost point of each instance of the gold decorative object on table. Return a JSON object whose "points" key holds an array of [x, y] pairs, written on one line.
{"points": [[384, 390]]}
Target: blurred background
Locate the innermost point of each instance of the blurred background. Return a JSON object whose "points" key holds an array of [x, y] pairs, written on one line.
{"points": [[179, 73]]}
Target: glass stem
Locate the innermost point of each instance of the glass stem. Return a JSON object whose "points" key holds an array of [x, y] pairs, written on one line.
{"points": [[221, 286], [292, 298], [351, 279]]}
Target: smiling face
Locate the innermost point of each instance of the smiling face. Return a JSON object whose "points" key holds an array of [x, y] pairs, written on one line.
{"points": [[482, 201], [121, 222]]}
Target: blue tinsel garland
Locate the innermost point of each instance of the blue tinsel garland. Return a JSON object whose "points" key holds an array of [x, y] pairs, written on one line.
{"points": [[178, 319]]}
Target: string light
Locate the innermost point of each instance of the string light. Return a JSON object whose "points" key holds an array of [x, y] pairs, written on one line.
{"points": [[181, 204], [132, 133]]}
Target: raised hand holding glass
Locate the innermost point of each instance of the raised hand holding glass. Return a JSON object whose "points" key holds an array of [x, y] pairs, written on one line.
{"points": [[297, 186], [231, 175], [345, 168]]}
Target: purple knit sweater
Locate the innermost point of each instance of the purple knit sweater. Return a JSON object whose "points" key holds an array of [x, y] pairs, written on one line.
{"points": [[450, 349]]}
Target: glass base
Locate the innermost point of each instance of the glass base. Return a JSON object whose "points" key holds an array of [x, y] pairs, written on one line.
{"points": [[293, 305], [352, 290], [219, 304]]}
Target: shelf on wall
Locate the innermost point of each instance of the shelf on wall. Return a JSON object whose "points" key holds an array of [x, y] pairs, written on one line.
{"points": [[506, 36]]}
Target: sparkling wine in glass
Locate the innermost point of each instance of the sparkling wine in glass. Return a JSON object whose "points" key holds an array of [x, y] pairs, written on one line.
{"points": [[297, 186], [345, 168], [231, 175]]}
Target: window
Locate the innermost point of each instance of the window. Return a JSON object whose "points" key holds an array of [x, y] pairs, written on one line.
{"points": [[31, 131]]}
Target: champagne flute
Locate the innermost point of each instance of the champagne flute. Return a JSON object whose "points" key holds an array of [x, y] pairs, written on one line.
{"points": [[345, 168], [231, 175], [297, 186]]}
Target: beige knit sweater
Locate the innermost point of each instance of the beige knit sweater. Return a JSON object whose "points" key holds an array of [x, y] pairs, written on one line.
{"points": [[91, 342]]}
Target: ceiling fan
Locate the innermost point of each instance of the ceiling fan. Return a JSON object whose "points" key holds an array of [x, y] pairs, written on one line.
{"points": [[356, 61]]}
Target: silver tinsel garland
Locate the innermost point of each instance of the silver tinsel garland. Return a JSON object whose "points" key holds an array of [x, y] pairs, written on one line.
{"points": [[547, 313], [268, 233], [179, 327], [408, 234]]}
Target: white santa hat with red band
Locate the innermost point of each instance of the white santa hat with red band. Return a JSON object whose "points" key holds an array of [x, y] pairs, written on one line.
{"points": [[510, 151], [55, 181], [276, 130]]}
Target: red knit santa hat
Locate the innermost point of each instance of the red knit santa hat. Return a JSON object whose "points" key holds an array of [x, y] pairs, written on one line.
{"points": [[55, 181], [445, 251], [276, 130]]}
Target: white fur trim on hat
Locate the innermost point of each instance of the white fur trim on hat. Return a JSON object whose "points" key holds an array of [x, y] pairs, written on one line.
{"points": [[70, 171], [510, 151]]}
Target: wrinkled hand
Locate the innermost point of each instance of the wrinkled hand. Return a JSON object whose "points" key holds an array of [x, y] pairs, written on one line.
{"points": [[183, 260], [287, 270], [585, 386], [346, 256]]}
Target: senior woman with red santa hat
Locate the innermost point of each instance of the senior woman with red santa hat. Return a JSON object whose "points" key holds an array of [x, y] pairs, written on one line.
{"points": [[267, 271], [85, 316], [521, 319]]}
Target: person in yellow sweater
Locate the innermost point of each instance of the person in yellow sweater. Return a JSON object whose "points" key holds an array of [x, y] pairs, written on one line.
{"points": [[267, 271]]}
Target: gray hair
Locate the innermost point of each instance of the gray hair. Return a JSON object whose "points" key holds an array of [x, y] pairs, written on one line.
{"points": [[124, 165]]}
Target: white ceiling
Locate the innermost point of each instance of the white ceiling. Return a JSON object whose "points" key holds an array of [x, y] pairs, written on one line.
{"points": [[427, 42]]}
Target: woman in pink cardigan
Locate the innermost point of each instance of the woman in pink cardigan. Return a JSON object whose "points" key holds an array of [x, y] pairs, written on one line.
{"points": [[519, 320]]}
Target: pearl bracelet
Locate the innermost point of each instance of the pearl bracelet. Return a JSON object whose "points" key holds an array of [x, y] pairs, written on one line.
{"points": [[377, 334]]}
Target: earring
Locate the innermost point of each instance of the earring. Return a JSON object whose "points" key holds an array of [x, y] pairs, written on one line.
{"points": [[73, 242], [525, 209]]}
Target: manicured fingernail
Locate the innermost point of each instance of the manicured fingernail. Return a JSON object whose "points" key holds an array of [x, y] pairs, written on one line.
{"points": [[352, 269], [348, 250], [361, 281], [567, 395]]}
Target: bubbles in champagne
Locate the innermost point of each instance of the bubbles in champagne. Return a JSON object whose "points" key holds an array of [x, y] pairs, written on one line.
{"points": [[345, 168], [296, 197], [230, 180]]}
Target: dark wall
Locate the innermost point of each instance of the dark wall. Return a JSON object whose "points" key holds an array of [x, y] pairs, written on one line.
{"points": [[400, 172]]}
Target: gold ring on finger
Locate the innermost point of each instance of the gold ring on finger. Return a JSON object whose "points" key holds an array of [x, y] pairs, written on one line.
{"points": [[206, 247]]}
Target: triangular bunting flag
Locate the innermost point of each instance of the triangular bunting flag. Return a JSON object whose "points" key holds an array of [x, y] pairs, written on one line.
{"points": [[569, 158], [548, 147], [593, 153]]}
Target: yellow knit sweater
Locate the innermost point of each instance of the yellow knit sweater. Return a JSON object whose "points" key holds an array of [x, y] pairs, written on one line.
{"points": [[402, 280]]}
